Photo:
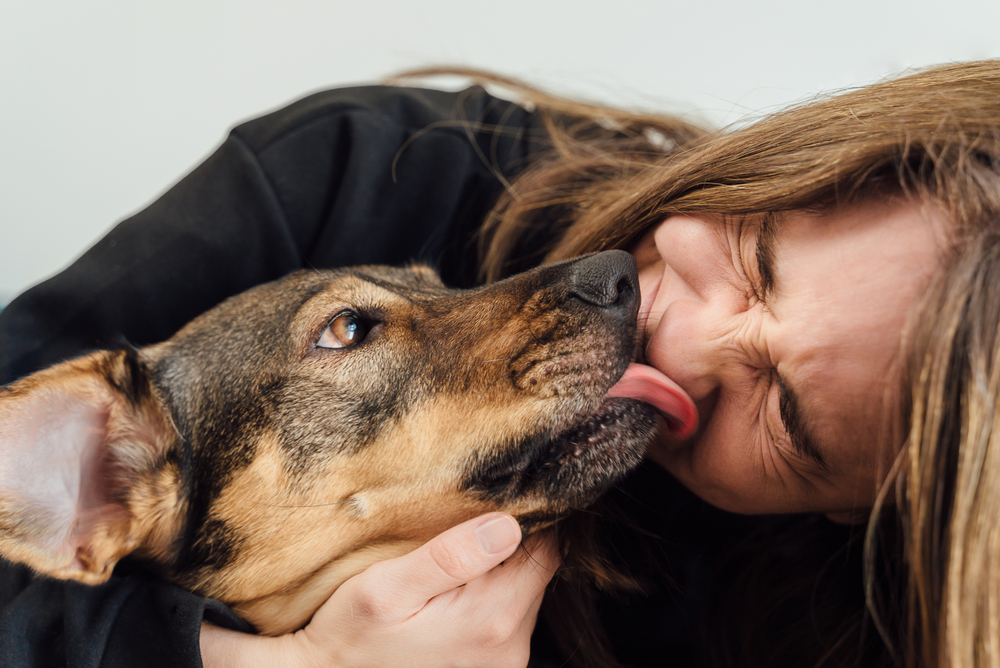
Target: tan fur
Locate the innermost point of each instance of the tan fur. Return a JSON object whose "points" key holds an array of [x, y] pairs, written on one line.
{"points": [[283, 612], [399, 490]]}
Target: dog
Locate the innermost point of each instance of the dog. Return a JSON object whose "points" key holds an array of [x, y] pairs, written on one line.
{"points": [[295, 434]]}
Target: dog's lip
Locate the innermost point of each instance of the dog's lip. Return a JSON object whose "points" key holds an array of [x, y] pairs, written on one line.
{"points": [[602, 435], [596, 443], [592, 432], [646, 383]]}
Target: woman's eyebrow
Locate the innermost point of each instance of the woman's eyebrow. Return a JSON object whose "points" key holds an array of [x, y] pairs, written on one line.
{"points": [[766, 232], [795, 425]]}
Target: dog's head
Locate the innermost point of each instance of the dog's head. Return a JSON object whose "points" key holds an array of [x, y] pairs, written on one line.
{"points": [[298, 432]]}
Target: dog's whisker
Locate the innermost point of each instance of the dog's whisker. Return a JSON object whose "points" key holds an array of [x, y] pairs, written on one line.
{"points": [[499, 359], [636, 499], [536, 561], [315, 505]]}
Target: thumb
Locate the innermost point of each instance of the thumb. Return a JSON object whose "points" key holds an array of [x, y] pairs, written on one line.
{"points": [[457, 556]]}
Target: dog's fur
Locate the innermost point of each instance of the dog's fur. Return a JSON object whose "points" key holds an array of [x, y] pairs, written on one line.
{"points": [[246, 461]]}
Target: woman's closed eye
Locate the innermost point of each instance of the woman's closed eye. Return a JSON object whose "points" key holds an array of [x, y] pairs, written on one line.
{"points": [[755, 250], [744, 256], [786, 425]]}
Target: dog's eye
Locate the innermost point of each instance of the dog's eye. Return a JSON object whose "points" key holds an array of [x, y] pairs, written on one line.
{"points": [[343, 331]]}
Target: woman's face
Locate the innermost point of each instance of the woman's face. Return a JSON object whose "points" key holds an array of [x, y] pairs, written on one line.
{"points": [[785, 334]]}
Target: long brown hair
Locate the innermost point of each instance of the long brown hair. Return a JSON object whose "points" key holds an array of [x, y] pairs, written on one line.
{"points": [[932, 135], [934, 129], [952, 466]]}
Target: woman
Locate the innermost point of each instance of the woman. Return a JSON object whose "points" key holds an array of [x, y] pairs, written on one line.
{"points": [[788, 271], [902, 180]]}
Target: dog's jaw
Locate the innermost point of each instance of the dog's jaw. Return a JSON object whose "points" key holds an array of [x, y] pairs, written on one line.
{"points": [[291, 608], [549, 475]]}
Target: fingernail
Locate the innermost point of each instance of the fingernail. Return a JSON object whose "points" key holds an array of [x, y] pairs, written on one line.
{"points": [[498, 534]]}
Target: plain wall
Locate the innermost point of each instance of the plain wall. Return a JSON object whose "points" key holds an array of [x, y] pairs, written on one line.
{"points": [[105, 103]]}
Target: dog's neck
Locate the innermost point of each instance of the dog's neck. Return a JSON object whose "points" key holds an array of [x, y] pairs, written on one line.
{"points": [[290, 609]]}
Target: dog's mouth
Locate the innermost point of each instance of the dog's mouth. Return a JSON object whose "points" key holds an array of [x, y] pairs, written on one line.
{"points": [[646, 383], [569, 465], [570, 468]]}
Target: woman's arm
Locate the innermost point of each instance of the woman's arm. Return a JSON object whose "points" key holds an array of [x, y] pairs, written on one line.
{"points": [[341, 177], [373, 175], [451, 602]]}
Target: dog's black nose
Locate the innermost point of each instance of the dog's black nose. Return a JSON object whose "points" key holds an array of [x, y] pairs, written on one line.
{"points": [[608, 279]]}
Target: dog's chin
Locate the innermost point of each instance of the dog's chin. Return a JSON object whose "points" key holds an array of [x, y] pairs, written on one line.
{"points": [[597, 449], [569, 470]]}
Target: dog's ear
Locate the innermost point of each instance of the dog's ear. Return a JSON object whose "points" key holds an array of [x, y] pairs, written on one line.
{"points": [[78, 442]]}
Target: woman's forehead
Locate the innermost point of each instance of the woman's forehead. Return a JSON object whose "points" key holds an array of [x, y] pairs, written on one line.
{"points": [[857, 269], [855, 246]]}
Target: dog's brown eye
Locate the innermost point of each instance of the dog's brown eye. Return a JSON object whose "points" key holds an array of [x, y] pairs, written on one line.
{"points": [[343, 331]]}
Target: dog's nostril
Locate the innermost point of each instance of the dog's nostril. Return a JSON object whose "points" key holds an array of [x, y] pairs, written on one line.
{"points": [[605, 279], [624, 288]]}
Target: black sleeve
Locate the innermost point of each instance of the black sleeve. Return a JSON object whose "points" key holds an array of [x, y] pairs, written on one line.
{"points": [[351, 176], [363, 175]]}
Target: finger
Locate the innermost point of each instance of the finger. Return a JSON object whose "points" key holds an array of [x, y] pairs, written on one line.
{"points": [[454, 558], [530, 618], [543, 549], [534, 563], [506, 629], [512, 589]]}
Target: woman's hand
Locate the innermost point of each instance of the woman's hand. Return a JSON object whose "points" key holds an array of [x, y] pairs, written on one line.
{"points": [[450, 602]]}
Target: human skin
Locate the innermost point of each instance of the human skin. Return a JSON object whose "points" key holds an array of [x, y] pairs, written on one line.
{"points": [[451, 602], [842, 285]]}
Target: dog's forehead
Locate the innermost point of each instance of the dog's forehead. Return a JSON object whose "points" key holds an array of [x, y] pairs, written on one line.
{"points": [[374, 288], [255, 325], [406, 283], [415, 277]]}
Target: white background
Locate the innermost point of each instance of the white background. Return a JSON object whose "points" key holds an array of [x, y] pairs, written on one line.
{"points": [[105, 103]]}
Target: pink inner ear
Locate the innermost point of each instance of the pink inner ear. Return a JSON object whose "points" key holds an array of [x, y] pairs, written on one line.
{"points": [[52, 465]]}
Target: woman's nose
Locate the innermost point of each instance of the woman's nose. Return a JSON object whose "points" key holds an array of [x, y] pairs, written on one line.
{"points": [[689, 347], [691, 248], [693, 341]]}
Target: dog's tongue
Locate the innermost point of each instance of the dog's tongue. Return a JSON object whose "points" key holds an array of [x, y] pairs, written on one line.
{"points": [[645, 383]]}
